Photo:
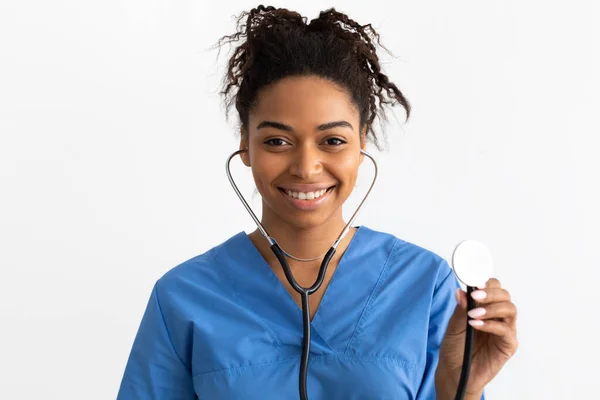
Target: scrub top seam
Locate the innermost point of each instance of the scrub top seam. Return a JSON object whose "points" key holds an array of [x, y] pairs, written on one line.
{"points": [[240, 369], [366, 309], [442, 282], [265, 325], [162, 317], [441, 266]]}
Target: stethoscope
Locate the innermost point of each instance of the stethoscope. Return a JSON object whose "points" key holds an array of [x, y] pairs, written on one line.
{"points": [[465, 259]]}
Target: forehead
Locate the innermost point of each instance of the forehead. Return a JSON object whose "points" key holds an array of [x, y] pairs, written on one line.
{"points": [[304, 100]]}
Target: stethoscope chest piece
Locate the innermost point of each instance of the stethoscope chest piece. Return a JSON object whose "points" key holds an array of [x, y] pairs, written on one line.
{"points": [[472, 263]]}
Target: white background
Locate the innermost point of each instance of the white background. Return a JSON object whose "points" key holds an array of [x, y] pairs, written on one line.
{"points": [[113, 142]]}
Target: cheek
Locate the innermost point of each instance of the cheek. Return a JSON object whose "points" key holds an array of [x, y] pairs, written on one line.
{"points": [[347, 173], [264, 174], [350, 165], [260, 180]]}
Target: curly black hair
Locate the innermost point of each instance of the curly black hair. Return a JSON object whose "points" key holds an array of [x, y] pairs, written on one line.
{"points": [[280, 43]]}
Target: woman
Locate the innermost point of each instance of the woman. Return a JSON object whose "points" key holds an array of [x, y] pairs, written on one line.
{"points": [[389, 319]]}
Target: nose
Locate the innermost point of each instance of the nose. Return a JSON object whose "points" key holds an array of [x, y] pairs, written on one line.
{"points": [[306, 162]]}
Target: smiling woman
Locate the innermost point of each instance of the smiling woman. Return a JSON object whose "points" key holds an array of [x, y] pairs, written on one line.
{"points": [[227, 324]]}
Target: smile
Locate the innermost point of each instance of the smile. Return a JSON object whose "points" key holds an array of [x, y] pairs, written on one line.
{"points": [[306, 195], [307, 200]]}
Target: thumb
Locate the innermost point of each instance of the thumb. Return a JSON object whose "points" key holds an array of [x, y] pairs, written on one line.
{"points": [[458, 321], [461, 299]]}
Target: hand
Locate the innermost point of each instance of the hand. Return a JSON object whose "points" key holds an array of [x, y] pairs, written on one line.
{"points": [[495, 339]]}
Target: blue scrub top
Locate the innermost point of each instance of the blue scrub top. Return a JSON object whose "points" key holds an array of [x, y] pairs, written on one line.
{"points": [[222, 326]]}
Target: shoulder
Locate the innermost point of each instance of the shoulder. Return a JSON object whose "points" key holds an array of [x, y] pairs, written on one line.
{"points": [[408, 258], [196, 277]]}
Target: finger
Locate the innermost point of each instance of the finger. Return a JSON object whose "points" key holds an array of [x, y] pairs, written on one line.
{"points": [[504, 310], [497, 328], [492, 295], [491, 283]]}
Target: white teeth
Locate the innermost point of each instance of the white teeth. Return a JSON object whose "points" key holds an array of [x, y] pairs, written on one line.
{"points": [[306, 196]]}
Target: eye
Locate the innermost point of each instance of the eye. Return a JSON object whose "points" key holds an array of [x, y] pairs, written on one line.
{"points": [[275, 142], [335, 142]]}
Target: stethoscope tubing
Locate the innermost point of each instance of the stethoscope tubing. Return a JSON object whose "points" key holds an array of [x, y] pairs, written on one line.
{"points": [[468, 353], [304, 293]]}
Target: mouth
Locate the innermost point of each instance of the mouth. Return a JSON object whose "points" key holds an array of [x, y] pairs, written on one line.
{"points": [[307, 200], [306, 196]]}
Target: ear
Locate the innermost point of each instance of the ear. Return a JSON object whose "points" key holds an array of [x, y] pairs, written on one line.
{"points": [[245, 156]]}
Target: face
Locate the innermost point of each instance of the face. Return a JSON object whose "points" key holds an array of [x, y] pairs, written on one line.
{"points": [[304, 141]]}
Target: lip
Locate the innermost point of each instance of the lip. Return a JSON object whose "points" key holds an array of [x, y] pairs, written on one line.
{"points": [[307, 205]]}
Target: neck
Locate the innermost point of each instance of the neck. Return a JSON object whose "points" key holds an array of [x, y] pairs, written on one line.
{"points": [[302, 242]]}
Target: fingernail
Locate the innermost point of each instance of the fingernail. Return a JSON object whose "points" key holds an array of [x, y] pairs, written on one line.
{"points": [[476, 322], [479, 295], [477, 312]]}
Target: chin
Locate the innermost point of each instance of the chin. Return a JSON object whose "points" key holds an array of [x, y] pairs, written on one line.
{"points": [[308, 223], [308, 220], [300, 219]]}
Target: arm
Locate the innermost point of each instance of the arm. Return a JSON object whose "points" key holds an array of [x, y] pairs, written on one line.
{"points": [[154, 370]]}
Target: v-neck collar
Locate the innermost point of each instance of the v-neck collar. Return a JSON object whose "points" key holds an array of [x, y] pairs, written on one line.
{"points": [[281, 289], [260, 288]]}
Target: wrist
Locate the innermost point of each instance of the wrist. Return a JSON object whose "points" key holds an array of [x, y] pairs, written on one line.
{"points": [[445, 386]]}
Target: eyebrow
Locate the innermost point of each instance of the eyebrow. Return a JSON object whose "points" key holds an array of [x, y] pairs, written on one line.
{"points": [[287, 128]]}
